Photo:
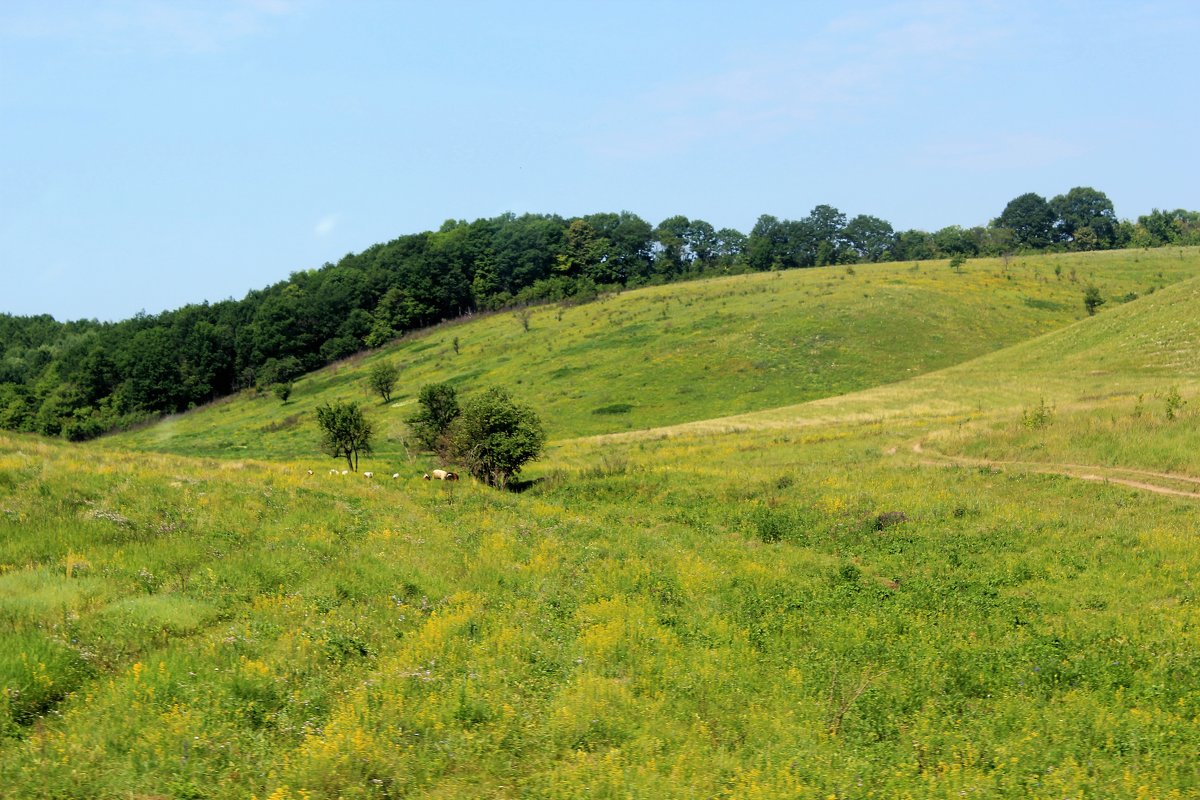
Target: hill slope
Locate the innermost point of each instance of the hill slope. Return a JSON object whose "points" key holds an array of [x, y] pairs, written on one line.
{"points": [[1140, 347], [776, 607], [697, 350]]}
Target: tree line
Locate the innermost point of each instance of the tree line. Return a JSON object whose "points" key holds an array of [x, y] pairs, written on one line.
{"points": [[82, 378]]}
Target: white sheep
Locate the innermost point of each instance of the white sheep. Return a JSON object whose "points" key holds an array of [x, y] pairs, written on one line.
{"points": [[442, 475], [368, 474], [333, 472], [395, 475]]}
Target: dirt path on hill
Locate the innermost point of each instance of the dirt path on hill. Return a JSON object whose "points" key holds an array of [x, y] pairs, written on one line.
{"points": [[1083, 472]]}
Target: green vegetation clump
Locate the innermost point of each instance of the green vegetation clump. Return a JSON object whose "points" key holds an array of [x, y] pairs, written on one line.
{"points": [[1174, 403], [1038, 417], [345, 432], [494, 437], [382, 379], [431, 425]]}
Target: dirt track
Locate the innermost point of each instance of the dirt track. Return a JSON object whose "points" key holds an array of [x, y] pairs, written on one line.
{"points": [[1083, 472]]}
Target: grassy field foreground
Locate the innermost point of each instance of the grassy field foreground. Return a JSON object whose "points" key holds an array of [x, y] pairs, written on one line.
{"points": [[754, 614], [886, 594]]}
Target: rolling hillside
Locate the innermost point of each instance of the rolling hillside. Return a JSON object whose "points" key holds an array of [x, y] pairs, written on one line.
{"points": [[1103, 383], [695, 351], [842, 598]]}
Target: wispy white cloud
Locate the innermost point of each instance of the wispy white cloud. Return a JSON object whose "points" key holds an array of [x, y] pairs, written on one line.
{"points": [[847, 69], [148, 25], [999, 152], [326, 224]]}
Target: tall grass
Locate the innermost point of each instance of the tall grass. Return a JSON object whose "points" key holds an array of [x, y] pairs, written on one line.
{"points": [[788, 603]]}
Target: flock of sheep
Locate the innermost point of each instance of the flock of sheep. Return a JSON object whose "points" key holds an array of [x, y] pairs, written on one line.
{"points": [[437, 474]]}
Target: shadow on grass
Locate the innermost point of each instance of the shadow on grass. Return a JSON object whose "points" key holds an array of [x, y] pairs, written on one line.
{"points": [[519, 486]]}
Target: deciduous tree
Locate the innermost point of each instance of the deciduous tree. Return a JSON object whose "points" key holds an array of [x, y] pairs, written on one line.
{"points": [[345, 432], [438, 408], [1031, 220], [494, 437], [1085, 218], [382, 379]]}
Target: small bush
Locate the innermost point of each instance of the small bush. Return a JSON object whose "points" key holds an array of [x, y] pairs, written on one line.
{"points": [[888, 519], [438, 409], [849, 574], [769, 524], [382, 379], [1039, 417], [494, 437], [1174, 403]]}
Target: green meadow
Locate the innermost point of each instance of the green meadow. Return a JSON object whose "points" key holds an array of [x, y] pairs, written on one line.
{"points": [[694, 351], [857, 534]]}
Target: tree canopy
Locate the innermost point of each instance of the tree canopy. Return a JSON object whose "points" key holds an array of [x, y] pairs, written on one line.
{"points": [[345, 432], [1085, 217], [382, 379], [438, 408], [1030, 219], [494, 436]]}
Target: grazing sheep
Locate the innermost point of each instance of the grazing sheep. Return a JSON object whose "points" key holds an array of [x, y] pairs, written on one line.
{"points": [[345, 472], [442, 475], [310, 472], [395, 475], [368, 474], [333, 472]]}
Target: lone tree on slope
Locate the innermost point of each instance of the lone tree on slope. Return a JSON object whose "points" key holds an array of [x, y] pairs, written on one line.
{"points": [[382, 378], [494, 437], [1092, 300], [345, 432]]}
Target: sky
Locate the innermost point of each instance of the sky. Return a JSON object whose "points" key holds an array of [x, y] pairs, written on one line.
{"points": [[155, 153]]}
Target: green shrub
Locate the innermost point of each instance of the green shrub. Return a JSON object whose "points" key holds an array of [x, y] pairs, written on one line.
{"points": [[494, 437], [1039, 417]]}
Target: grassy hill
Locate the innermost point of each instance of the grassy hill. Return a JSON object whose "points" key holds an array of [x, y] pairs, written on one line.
{"points": [[1102, 386], [694, 351], [791, 602]]}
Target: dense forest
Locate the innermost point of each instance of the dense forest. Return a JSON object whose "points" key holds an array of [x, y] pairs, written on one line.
{"points": [[80, 379]]}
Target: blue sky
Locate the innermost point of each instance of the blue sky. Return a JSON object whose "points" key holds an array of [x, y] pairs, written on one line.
{"points": [[157, 153]]}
